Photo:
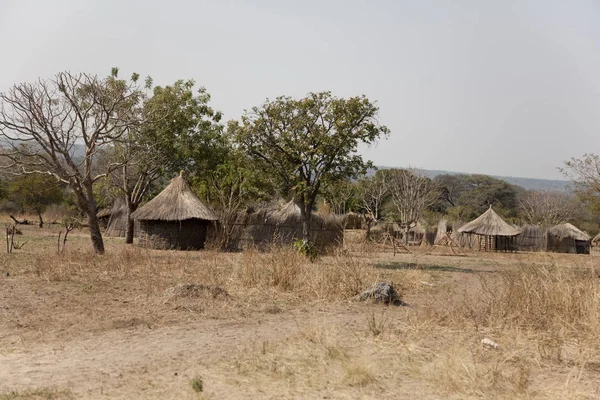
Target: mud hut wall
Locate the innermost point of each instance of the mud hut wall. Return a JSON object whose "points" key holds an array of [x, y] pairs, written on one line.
{"points": [[183, 235]]}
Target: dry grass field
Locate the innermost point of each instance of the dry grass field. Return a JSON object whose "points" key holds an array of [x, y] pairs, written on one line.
{"points": [[273, 325]]}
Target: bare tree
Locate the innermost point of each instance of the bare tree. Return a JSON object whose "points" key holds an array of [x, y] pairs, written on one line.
{"points": [[374, 192], [58, 126], [546, 208], [411, 193], [584, 172]]}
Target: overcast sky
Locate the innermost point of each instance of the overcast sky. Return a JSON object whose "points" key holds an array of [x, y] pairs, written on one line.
{"points": [[496, 87]]}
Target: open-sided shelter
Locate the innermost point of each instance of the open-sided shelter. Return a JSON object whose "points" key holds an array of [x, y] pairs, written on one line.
{"points": [[175, 219], [492, 232]]}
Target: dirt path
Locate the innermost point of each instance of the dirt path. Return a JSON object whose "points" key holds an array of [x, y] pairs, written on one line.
{"points": [[143, 362]]}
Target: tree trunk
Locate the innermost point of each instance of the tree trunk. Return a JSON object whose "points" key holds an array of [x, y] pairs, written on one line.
{"points": [[95, 233], [406, 231], [90, 209], [39, 213], [305, 215], [129, 230]]}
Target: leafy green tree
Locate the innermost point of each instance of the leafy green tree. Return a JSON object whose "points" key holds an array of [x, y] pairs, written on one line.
{"points": [[451, 189], [342, 196], [58, 126], [310, 143], [232, 186], [483, 191], [465, 197], [180, 131], [35, 192]]}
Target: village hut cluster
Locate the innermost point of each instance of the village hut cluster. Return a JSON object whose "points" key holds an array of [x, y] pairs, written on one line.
{"points": [[489, 232], [178, 219]]}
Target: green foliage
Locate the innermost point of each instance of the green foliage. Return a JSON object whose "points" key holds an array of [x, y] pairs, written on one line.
{"points": [[306, 248], [35, 192], [182, 131], [465, 197], [342, 196], [197, 384], [310, 143], [234, 183]]}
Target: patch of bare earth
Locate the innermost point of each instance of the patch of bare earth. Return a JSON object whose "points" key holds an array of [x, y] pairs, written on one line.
{"points": [[136, 323]]}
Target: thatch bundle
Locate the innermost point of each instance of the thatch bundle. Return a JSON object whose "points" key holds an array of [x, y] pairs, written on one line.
{"points": [[175, 219], [271, 226]]}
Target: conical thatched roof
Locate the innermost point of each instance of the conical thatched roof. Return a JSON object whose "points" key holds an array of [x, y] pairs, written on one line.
{"points": [[105, 212], [489, 224], [176, 202], [290, 209], [569, 231]]}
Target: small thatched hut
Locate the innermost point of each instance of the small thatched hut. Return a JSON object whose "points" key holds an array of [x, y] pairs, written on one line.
{"points": [[493, 234], [567, 238], [117, 220], [103, 217], [175, 219], [353, 221], [279, 226]]}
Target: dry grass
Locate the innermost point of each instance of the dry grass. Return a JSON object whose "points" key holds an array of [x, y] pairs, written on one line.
{"points": [[39, 394], [543, 310]]}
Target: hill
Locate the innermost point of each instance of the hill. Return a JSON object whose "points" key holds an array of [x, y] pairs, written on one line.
{"points": [[554, 185]]}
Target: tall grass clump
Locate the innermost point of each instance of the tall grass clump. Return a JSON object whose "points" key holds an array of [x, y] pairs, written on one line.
{"points": [[284, 269], [541, 298]]}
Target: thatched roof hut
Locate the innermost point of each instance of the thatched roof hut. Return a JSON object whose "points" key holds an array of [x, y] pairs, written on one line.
{"points": [[353, 221], [274, 225], [567, 238], [175, 219], [493, 233], [103, 217], [117, 220]]}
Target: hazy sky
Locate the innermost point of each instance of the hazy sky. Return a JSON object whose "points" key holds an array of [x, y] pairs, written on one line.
{"points": [[497, 87]]}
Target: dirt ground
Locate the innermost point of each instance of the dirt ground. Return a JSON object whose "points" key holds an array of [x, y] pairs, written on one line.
{"points": [[78, 325]]}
